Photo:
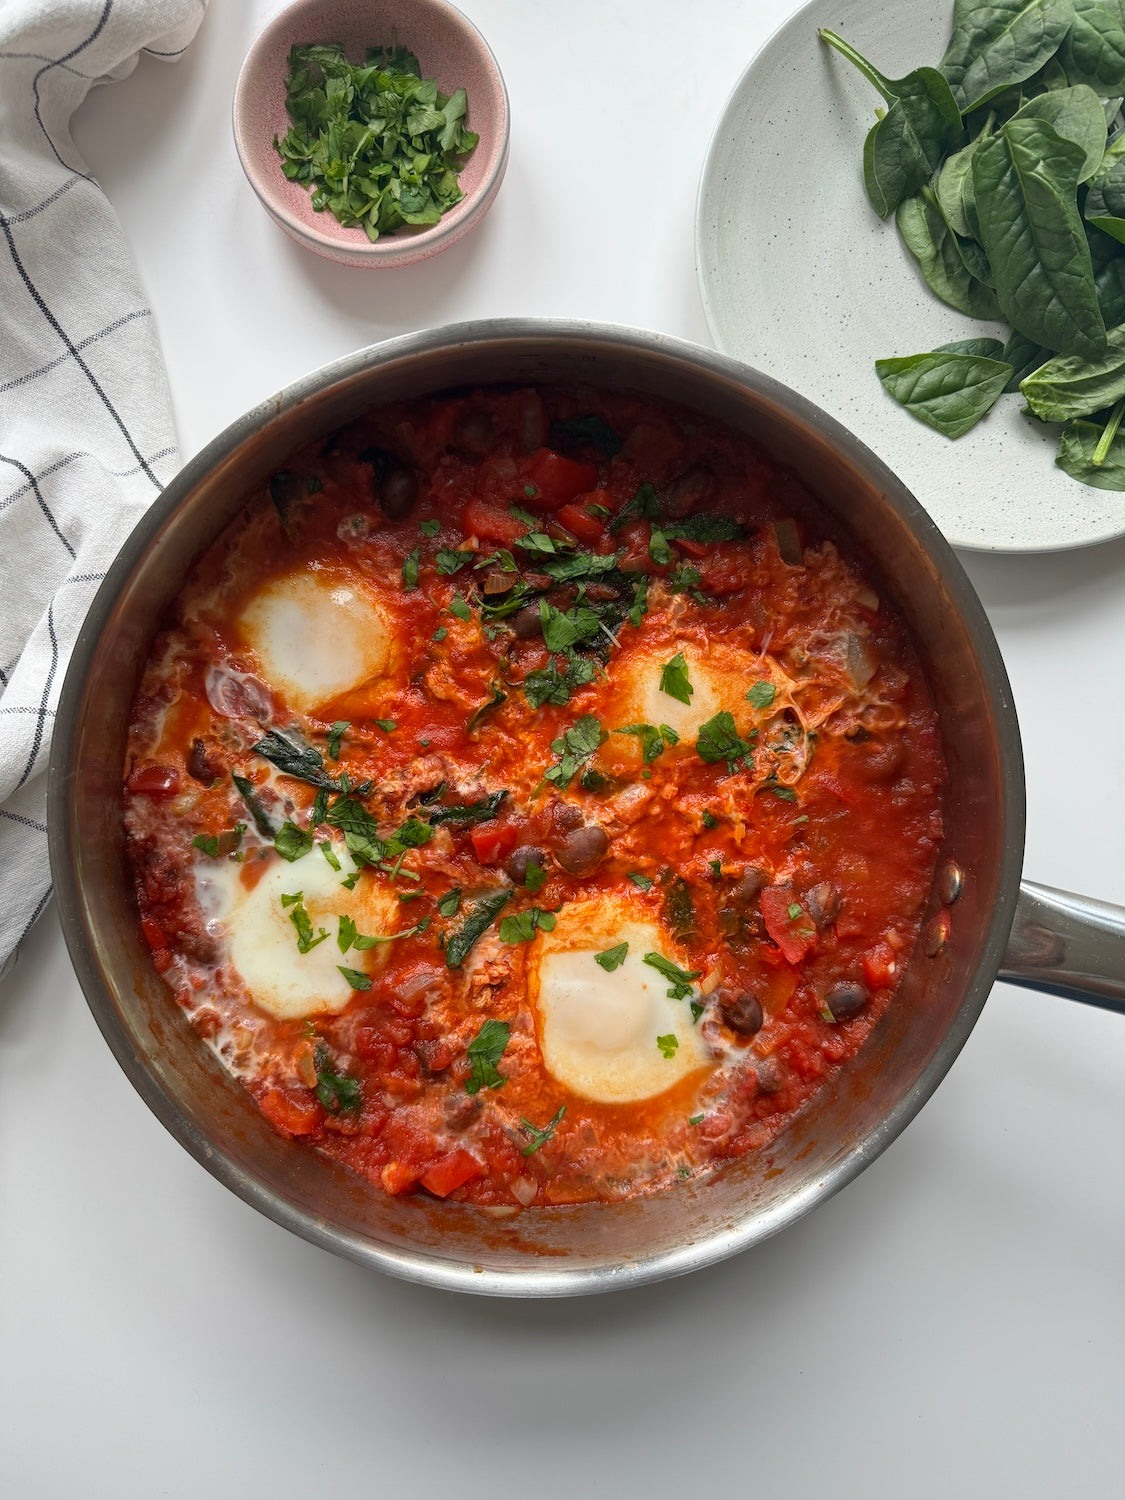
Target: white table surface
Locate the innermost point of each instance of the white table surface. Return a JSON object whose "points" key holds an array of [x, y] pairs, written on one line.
{"points": [[950, 1325]]}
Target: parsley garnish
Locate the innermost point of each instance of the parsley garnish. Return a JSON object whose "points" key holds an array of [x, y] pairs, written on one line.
{"points": [[541, 1137], [612, 958], [292, 842], [302, 922], [458, 607], [450, 903], [719, 739], [535, 878], [440, 633], [429, 528], [563, 628], [709, 819], [336, 1091], [761, 695], [653, 740], [684, 579], [658, 549], [695, 1119], [335, 735], [521, 927], [479, 920], [357, 979], [549, 685], [329, 853], [668, 1044], [348, 937], [674, 679], [450, 561], [207, 844], [379, 145], [642, 881], [387, 725], [681, 978], [576, 746], [485, 1051], [786, 793], [639, 607], [410, 569]]}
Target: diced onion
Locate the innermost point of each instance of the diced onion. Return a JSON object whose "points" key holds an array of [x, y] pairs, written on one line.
{"points": [[860, 661], [523, 1190]]}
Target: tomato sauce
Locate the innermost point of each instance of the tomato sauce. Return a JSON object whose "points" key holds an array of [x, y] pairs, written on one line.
{"points": [[427, 683]]}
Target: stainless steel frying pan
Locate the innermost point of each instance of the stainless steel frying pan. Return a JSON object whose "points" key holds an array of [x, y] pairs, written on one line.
{"points": [[982, 923]]}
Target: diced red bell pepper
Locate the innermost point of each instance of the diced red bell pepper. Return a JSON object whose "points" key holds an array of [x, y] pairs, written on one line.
{"points": [[491, 523], [880, 966], [556, 479], [450, 1172], [153, 933], [578, 520], [794, 935], [154, 781], [493, 842]]}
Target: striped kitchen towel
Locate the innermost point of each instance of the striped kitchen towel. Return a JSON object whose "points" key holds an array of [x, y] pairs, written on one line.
{"points": [[86, 434]]}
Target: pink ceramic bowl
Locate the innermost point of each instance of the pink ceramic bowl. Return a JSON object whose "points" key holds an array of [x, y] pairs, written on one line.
{"points": [[448, 47]]}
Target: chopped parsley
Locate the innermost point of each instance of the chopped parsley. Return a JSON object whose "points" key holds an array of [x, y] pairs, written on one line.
{"points": [[451, 561], [576, 747], [429, 528], [336, 1091], [641, 881], [669, 1045], [681, 979], [684, 579], [535, 878], [458, 607], [207, 843], [475, 925], [658, 549], [653, 740], [523, 925], [695, 1119], [292, 842], [329, 853], [719, 739], [355, 977], [674, 679], [550, 685], [410, 569], [440, 633], [484, 1052], [302, 922], [539, 1137], [563, 628], [612, 958], [761, 695], [387, 725], [335, 735], [709, 819], [348, 937]]}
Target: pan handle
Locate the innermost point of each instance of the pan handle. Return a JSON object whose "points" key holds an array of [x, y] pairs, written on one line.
{"points": [[1067, 945]]}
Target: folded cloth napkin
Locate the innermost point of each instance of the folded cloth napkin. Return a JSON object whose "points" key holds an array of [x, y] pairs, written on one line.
{"points": [[86, 434]]}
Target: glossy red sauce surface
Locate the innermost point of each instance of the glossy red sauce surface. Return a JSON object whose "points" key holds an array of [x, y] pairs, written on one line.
{"points": [[786, 874]]}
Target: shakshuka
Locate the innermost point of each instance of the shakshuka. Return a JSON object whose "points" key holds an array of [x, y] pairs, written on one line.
{"points": [[532, 797]]}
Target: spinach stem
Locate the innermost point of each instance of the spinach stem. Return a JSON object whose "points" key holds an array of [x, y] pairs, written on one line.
{"points": [[1105, 442], [873, 77]]}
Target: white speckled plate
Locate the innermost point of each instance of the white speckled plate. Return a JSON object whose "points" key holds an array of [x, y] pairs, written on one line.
{"points": [[802, 280]]}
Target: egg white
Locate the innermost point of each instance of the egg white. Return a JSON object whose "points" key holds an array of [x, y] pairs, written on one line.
{"points": [[719, 680], [598, 1030], [262, 940], [316, 637]]}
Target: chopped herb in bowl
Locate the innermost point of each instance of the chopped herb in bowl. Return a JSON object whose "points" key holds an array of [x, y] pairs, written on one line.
{"points": [[380, 145]]}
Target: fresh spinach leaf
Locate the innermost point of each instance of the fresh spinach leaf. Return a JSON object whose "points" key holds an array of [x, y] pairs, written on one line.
{"points": [[1078, 446], [466, 813], [1105, 201], [1026, 183], [998, 43], [1076, 114], [938, 253], [1067, 387], [1094, 49], [948, 391], [1024, 356], [262, 820], [475, 925]]}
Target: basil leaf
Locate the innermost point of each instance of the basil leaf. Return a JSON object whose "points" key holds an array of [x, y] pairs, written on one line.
{"points": [[1026, 183], [1077, 446], [1077, 115], [476, 924], [468, 812], [262, 820], [591, 431], [336, 1091], [1067, 387], [1000, 43], [904, 149], [949, 392], [941, 258], [484, 1052], [674, 679]]}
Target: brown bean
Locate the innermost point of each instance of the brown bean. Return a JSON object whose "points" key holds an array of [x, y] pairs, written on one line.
{"points": [[751, 883], [515, 866], [846, 1000], [742, 1012], [398, 490], [526, 623], [460, 1110], [583, 849], [770, 1079], [474, 433], [199, 768], [824, 904], [565, 816]]}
